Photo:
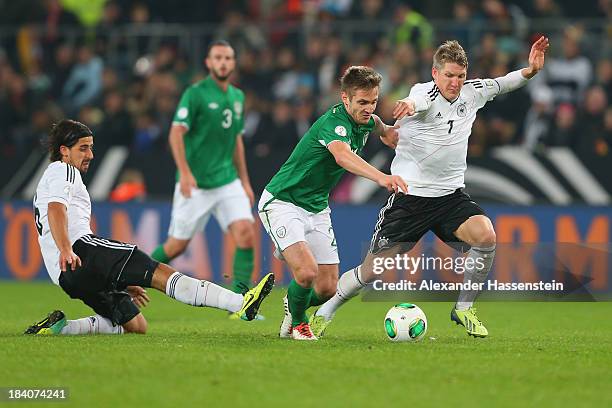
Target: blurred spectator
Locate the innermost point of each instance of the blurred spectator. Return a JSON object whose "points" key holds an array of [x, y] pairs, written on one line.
{"points": [[148, 133], [371, 13], [539, 118], [241, 33], [54, 17], [331, 64], [564, 130], [508, 21], [287, 75], [116, 128], [463, 22], [591, 122], [85, 81], [604, 77], [485, 56], [604, 148], [131, 187], [545, 9], [304, 116], [276, 131], [568, 75], [412, 27], [60, 70]]}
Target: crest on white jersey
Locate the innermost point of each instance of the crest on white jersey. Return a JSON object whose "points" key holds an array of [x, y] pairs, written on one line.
{"points": [[182, 113], [340, 130], [462, 110]]}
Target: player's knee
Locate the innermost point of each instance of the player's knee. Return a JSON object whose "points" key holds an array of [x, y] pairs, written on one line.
{"points": [[486, 237], [244, 235], [305, 275]]}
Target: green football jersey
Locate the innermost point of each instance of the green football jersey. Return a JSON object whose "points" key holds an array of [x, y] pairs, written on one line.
{"points": [[214, 119], [310, 173]]}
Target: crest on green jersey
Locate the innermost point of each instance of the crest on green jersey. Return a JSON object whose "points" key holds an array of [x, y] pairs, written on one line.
{"points": [[340, 130], [182, 113]]}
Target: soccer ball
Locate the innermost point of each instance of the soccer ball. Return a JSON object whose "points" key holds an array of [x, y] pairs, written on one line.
{"points": [[405, 322]]}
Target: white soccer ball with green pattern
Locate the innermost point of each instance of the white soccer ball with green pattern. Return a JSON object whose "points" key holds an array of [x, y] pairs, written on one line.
{"points": [[405, 322]]}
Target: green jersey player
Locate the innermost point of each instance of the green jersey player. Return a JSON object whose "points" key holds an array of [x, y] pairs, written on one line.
{"points": [[294, 205], [212, 178]]}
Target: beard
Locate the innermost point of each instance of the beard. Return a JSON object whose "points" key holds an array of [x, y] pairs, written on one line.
{"points": [[220, 77]]}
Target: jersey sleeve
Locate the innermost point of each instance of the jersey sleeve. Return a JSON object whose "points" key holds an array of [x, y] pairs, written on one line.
{"points": [[186, 109], [333, 130], [61, 183], [484, 89], [423, 95]]}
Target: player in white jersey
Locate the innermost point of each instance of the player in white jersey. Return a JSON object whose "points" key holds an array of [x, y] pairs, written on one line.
{"points": [[435, 123], [107, 275]]}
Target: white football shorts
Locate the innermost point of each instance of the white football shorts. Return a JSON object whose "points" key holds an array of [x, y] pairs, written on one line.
{"points": [[287, 224], [228, 203]]}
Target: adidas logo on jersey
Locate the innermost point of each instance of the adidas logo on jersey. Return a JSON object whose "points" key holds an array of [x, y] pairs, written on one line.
{"points": [[439, 116]]}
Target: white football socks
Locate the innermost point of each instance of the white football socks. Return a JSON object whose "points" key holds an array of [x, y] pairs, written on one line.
{"points": [[200, 293], [95, 324], [482, 261], [349, 286]]}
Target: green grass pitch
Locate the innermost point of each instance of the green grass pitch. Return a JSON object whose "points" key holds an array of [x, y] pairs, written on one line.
{"points": [[538, 354]]}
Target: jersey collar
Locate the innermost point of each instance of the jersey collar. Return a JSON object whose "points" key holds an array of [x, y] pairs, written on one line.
{"points": [[214, 83]]}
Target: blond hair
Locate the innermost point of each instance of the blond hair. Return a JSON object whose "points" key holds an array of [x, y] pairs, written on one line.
{"points": [[450, 51]]}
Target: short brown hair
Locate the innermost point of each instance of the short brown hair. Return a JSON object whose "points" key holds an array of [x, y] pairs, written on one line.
{"points": [[450, 51], [359, 77]]}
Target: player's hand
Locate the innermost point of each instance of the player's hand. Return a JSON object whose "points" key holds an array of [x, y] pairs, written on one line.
{"points": [[139, 296], [393, 184], [390, 136], [403, 107], [69, 259], [186, 183], [536, 55], [249, 192]]}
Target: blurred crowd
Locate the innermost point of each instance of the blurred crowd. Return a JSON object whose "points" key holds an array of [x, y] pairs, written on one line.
{"points": [[121, 66]]}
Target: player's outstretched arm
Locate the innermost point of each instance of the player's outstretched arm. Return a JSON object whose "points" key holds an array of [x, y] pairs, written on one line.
{"points": [[388, 134], [356, 165], [58, 224], [519, 78], [177, 145]]}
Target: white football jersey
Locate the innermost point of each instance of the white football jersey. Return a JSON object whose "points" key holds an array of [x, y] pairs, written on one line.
{"points": [[61, 183], [432, 149]]}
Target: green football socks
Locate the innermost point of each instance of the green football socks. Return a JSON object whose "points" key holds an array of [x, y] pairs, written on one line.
{"points": [[243, 268]]}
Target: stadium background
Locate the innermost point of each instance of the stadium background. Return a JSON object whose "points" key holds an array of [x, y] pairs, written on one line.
{"points": [[539, 158]]}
